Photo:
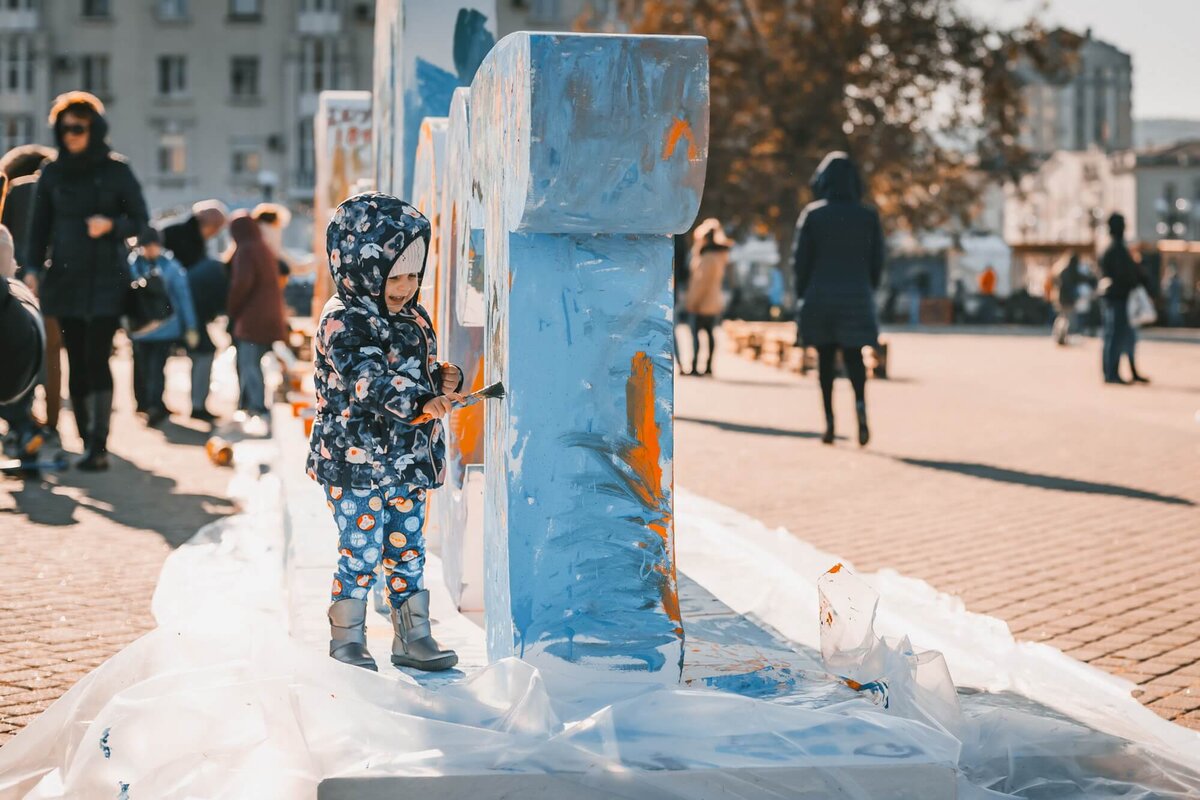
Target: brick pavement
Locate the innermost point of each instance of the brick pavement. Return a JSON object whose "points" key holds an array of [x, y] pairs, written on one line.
{"points": [[1000, 471], [82, 553]]}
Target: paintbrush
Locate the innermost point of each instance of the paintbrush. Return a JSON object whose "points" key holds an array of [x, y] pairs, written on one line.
{"points": [[493, 392]]}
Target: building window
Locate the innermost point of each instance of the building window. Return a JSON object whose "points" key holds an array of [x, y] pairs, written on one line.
{"points": [[172, 76], [171, 10], [320, 66], [17, 5], [14, 132], [97, 9], [93, 74], [243, 76], [245, 10], [247, 163], [172, 154], [16, 63], [319, 5], [306, 151]]}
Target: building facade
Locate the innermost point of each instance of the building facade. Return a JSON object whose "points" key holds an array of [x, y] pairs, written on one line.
{"points": [[1091, 106], [207, 98]]}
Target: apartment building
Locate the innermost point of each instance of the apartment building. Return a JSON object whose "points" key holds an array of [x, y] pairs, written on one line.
{"points": [[1091, 105], [207, 98]]}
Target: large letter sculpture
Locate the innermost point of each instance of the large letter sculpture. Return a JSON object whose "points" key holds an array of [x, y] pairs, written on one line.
{"points": [[588, 151], [424, 50], [342, 139], [459, 514]]}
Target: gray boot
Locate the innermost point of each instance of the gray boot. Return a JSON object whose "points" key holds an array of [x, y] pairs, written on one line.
{"points": [[414, 645], [348, 633]]}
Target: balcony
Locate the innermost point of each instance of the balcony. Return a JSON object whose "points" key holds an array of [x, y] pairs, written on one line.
{"points": [[26, 19], [319, 23]]}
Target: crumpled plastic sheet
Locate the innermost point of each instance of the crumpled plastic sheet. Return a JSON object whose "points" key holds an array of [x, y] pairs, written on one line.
{"points": [[219, 702]]}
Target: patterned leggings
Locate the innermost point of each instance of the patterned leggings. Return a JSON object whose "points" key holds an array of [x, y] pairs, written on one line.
{"points": [[374, 524]]}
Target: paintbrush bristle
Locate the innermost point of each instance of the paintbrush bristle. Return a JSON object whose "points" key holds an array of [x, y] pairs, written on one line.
{"points": [[496, 390]]}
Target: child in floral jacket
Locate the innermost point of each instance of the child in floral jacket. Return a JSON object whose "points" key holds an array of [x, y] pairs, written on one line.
{"points": [[377, 442]]}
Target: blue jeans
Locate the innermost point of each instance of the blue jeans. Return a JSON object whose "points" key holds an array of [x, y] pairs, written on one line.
{"points": [[378, 526], [250, 375], [1119, 337]]}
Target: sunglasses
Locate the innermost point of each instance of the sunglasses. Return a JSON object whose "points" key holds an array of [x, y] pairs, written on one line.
{"points": [[76, 130]]}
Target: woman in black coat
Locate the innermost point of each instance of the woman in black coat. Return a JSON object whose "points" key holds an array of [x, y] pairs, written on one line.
{"points": [[838, 258], [87, 204]]}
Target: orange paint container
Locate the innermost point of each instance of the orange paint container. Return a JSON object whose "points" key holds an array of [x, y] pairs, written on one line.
{"points": [[220, 451]]}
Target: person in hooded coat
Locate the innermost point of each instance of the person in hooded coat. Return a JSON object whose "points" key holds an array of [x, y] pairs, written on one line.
{"points": [[704, 300], [838, 261], [378, 445], [86, 205], [256, 315]]}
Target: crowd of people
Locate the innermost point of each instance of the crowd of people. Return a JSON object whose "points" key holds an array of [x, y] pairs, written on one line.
{"points": [[69, 217]]}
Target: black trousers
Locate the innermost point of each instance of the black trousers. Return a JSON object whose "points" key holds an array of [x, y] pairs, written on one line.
{"points": [[705, 323], [89, 345], [856, 371]]}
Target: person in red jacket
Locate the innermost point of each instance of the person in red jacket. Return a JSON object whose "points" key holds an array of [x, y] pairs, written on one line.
{"points": [[256, 313]]}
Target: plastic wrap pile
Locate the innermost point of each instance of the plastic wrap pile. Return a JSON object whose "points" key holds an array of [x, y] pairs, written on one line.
{"points": [[219, 701]]}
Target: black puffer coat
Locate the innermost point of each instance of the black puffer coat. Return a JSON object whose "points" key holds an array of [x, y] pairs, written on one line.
{"points": [[84, 277], [838, 258]]}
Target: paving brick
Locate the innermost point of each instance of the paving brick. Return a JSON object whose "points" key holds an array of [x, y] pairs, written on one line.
{"points": [[1000, 470], [63, 611]]}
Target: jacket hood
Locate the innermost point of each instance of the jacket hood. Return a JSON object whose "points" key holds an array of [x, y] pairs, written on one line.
{"points": [[367, 234], [837, 179], [83, 104]]}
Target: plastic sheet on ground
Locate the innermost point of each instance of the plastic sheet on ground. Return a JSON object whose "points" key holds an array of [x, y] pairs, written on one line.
{"points": [[219, 701]]}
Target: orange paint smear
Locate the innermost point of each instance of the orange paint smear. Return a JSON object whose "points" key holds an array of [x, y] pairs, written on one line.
{"points": [[835, 569], [643, 458], [467, 423], [679, 128]]}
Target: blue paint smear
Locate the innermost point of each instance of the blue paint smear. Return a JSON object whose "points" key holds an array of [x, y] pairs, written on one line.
{"points": [[566, 317], [123, 790], [104, 748], [768, 682]]}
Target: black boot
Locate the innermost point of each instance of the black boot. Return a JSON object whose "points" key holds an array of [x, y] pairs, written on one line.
{"points": [[83, 420], [99, 409], [827, 437], [864, 433]]}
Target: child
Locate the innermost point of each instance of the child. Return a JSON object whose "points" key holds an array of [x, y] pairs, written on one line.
{"points": [[376, 374], [151, 349]]}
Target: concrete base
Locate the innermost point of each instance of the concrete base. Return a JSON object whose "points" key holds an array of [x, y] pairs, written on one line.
{"points": [[797, 783]]}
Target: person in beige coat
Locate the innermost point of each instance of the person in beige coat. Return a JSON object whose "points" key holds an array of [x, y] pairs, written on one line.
{"points": [[704, 301]]}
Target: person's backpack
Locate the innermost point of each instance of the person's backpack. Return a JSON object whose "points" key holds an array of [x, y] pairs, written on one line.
{"points": [[148, 304]]}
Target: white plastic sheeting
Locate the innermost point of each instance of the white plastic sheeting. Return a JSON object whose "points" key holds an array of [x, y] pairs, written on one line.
{"points": [[219, 702]]}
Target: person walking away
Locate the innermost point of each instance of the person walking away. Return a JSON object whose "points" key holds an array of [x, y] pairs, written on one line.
{"points": [[1066, 282], [1121, 277], [838, 258], [187, 240], [255, 308], [704, 301], [86, 205], [152, 349], [378, 446], [22, 166]]}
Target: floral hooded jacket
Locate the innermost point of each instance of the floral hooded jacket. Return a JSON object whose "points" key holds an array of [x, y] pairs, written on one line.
{"points": [[374, 370]]}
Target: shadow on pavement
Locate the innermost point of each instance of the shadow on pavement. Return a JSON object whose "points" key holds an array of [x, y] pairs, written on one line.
{"points": [[1034, 479], [127, 494], [736, 427]]}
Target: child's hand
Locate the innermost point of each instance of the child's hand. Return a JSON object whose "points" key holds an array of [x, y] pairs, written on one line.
{"points": [[439, 407], [451, 375]]}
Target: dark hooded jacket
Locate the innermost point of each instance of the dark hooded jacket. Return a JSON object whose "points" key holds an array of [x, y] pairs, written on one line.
{"points": [[23, 338], [185, 241], [1122, 273], [838, 259], [80, 276], [256, 312], [22, 166], [374, 370]]}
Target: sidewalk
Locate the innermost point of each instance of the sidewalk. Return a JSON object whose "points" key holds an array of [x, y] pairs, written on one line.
{"points": [[82, 552], [1001, 471]]}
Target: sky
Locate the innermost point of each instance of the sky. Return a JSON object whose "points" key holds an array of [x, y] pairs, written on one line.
{"points": [[1163, 36]]}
